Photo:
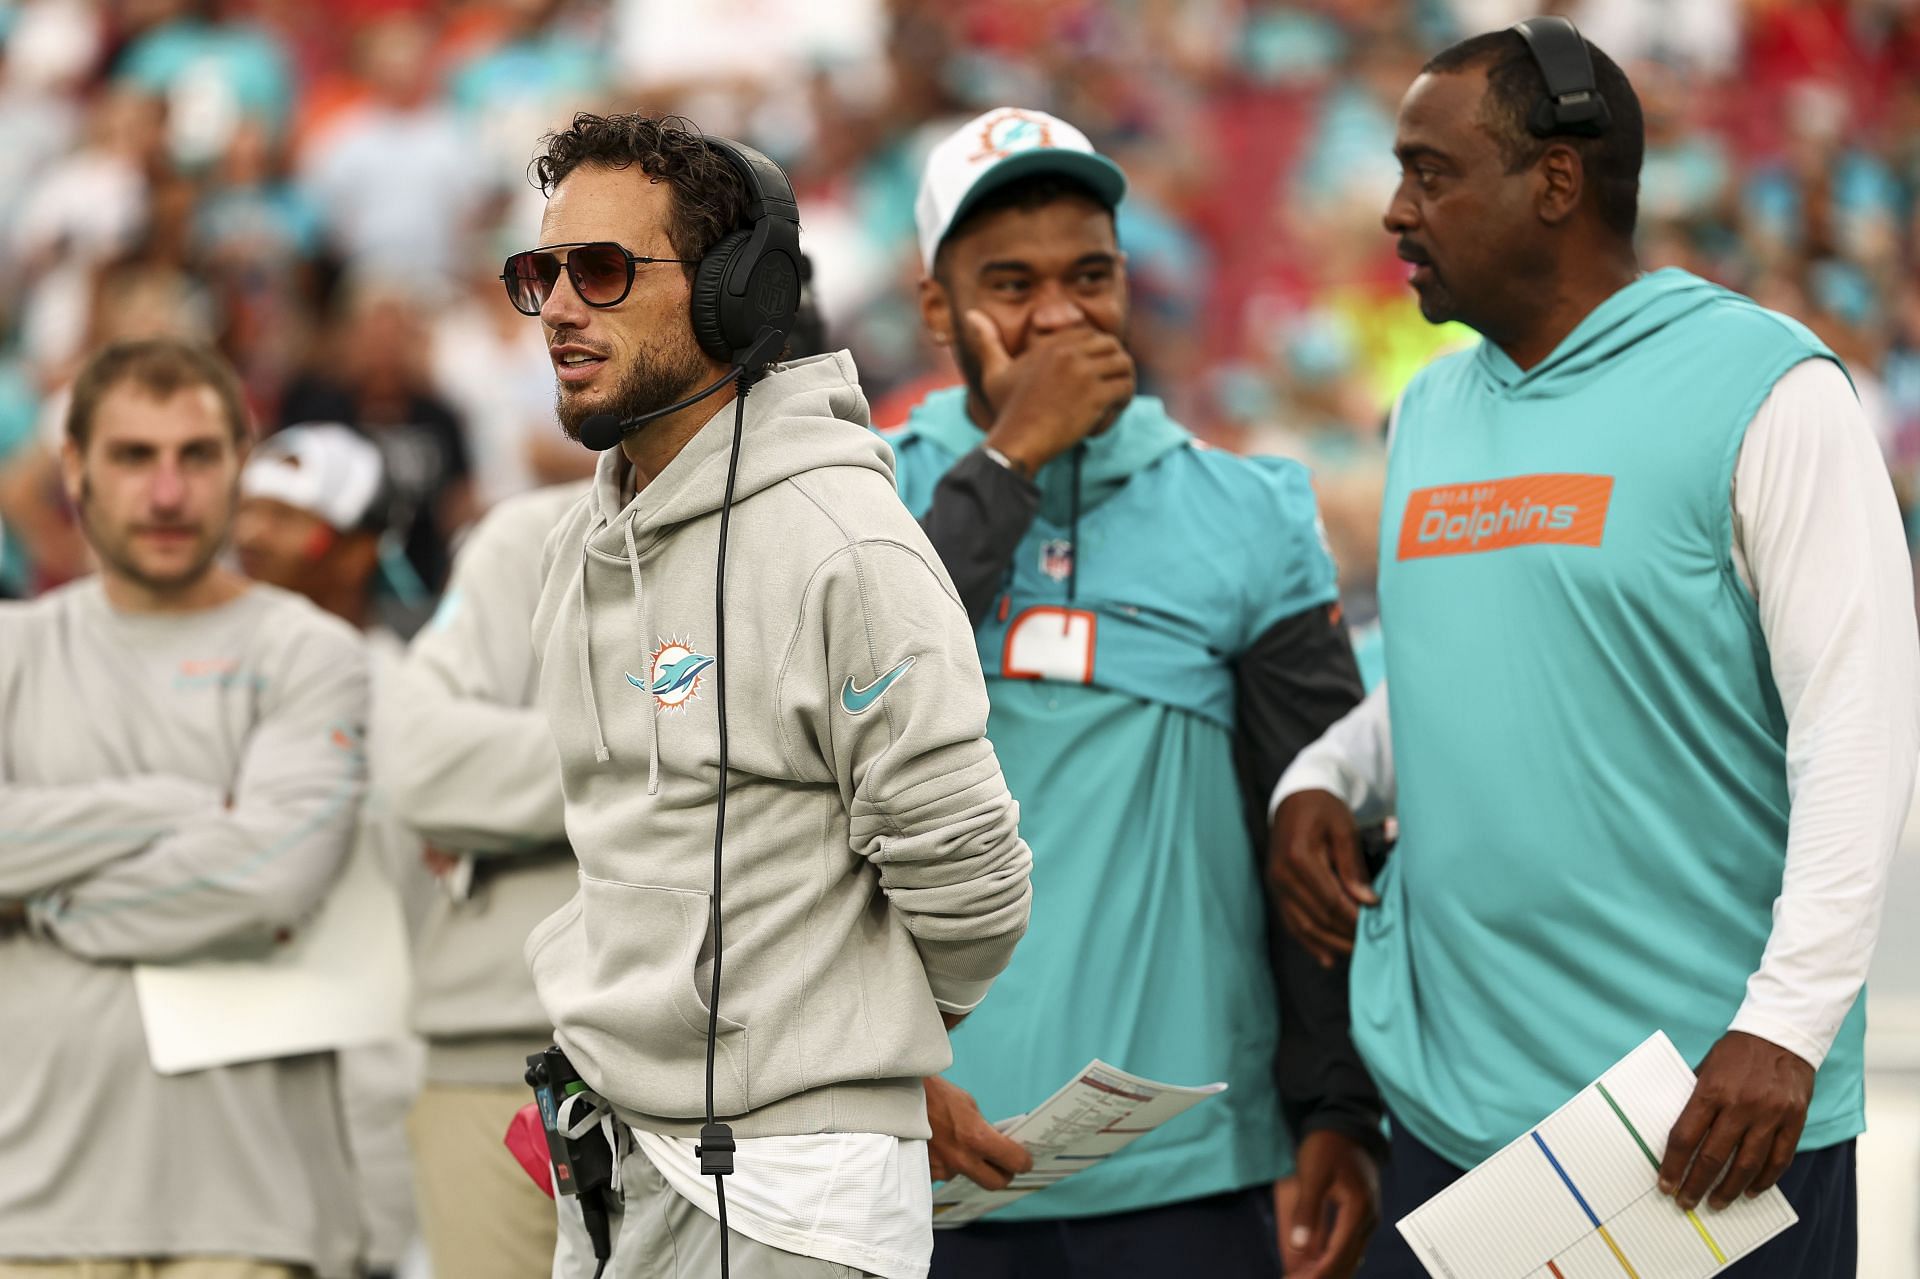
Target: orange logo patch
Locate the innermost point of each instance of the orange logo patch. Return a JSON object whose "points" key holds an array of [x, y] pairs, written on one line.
{"points": [[1526, 510]]}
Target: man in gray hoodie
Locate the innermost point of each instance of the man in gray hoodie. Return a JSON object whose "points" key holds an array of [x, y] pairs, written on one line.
{"points": [[464, 757], [875, 881]]}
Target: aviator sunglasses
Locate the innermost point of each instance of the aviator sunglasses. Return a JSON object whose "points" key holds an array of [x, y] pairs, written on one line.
{"points": [[601, 271]]}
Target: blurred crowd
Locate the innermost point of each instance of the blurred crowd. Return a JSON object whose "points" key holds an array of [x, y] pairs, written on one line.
{"points": [[326, 191]]}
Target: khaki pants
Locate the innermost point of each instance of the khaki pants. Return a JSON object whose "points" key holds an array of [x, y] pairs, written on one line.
{"points": [[154, 1268], [482, 1215]]}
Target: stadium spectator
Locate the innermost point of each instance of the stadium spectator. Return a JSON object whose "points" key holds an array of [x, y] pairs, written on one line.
{"points": [[394, 176], [214, 68], [492, 368], [378, 381]]}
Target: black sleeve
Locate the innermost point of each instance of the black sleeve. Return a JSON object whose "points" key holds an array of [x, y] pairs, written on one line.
{"points": [[980, 511], [1292, 684]]}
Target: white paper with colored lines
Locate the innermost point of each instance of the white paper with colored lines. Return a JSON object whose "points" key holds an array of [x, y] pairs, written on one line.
{"points": [[1576, 1198]]}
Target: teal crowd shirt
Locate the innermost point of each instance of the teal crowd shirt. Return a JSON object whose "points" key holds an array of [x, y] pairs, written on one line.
{"points": [[1590, 748], [1112, 714]]}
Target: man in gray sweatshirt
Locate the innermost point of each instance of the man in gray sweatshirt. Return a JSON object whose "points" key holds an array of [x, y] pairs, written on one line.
{"points": [[463, 756], [875, 881], [180, 771]]}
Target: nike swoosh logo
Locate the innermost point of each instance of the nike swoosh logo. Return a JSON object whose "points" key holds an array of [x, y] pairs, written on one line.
{"points": [[858, 701]]}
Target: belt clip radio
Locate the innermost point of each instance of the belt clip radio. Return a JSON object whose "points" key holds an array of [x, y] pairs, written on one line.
{"points": [[577, 1123]]}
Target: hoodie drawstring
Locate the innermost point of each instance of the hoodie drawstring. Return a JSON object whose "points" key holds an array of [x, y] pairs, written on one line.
{"points": [[600, 751], [653, 705]]}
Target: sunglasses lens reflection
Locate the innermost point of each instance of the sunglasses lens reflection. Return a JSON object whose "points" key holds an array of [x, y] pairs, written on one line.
{"points": [[530, 277], [600, 272]]}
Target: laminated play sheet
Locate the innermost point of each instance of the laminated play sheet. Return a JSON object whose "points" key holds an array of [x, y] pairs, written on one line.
{"points": [[1093, 1116]]}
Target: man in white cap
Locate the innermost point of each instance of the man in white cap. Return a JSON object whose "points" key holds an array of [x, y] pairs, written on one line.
{"points": [[311, 516], [1160, 631], [313, 504]]}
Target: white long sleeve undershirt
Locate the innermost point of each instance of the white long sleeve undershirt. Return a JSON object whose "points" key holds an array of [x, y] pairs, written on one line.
{"points": [[1817, 539]]}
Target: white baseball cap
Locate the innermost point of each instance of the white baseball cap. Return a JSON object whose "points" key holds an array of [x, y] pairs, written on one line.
{"points": [[327, 470], [991, 151]]}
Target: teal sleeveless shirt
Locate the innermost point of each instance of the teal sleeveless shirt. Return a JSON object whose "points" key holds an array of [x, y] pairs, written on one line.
{"points": [[1590, 747]]}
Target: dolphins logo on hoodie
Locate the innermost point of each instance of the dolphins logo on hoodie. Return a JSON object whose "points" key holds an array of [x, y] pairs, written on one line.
{"points": [[673, 674]]}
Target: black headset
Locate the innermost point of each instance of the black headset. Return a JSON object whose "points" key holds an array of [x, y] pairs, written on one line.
{"points": [[750, 281], [1572, 104]]}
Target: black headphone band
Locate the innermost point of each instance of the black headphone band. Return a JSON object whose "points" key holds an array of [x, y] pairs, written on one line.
{"points": [[769, 193], [1573, 104], [746, 291]]}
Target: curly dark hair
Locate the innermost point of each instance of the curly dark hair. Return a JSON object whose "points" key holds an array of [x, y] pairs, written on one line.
{"points": [[709, 197]]}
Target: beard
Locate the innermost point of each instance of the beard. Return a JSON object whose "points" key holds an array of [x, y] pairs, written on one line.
{"points": [[969, 361], [658, 377], [115, 547]]}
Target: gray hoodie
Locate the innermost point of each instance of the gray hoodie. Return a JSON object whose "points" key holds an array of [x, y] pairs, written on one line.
{"points": [[464, 757], [874, 875]]}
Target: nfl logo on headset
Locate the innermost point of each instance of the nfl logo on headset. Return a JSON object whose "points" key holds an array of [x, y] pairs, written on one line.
{"points": [[1056, 559], [774, 287]]}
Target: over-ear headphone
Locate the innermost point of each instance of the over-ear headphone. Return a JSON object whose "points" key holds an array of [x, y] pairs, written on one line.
{"points": [[750, 281], [1572, 104]]}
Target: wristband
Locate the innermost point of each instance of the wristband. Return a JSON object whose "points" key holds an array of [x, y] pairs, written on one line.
{"points": [[1004, 462]]}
